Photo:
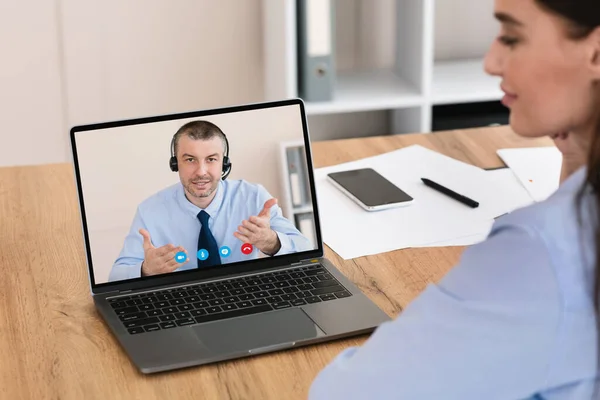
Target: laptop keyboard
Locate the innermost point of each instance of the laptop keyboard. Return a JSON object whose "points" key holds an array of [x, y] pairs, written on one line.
{"points": [[196, 304]]}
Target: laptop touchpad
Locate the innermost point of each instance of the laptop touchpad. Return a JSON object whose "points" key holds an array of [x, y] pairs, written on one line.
{"points": [[257, 331]]}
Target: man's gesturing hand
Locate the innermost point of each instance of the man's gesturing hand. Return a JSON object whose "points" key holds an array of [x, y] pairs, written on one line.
{"points": [[159, 260], [257, 231]]}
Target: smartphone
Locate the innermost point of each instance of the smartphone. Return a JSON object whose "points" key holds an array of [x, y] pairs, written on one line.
{"points": [[367, 188]]}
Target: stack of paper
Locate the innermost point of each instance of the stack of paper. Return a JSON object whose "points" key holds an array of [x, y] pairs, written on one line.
{"points": [[433, 219], [537, 168]]}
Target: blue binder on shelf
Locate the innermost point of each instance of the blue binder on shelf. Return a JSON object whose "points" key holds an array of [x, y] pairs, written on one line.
{"points": [[316, 67]]}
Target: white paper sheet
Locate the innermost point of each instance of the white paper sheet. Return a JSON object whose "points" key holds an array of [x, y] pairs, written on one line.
{"points": [[510, 195], [537, 168], [461, 241], [433, 217]]}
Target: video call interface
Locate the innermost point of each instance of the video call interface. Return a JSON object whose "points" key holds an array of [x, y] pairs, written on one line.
{"points": [[195, 193]]}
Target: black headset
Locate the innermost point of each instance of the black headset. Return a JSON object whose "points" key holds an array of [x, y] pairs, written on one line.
{"points": [[226, 169]]}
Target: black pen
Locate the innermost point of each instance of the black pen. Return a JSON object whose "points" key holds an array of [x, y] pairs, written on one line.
{"points": [[459, 197]]}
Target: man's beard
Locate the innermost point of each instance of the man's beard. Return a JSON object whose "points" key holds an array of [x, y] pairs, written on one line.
{"points": [[192, 190]]}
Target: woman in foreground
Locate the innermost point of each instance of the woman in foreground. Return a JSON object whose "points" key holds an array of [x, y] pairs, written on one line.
{"points": [[517, 317]]}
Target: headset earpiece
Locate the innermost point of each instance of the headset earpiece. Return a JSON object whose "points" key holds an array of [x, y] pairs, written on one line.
{"points": [[173, 160], [226, 170], [173, 164]]}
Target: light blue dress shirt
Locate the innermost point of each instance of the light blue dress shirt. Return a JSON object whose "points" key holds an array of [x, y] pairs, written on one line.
{"points": [[513, 320], [171, 218]]}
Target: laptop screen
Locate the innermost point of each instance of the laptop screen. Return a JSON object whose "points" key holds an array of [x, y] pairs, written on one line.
{"points": [[195, 192]]}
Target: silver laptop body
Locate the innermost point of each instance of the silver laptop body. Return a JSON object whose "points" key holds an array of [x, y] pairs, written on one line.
{"points": [[201, 316]]}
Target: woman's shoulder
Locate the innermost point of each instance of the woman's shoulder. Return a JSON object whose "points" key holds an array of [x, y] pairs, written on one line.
{"points": [[564, 224]]}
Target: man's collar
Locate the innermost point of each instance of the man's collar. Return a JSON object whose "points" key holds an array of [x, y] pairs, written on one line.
{"points": [[575, 181]]}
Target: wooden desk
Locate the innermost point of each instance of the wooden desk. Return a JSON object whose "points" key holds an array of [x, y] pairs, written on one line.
{"points": [[54, 345]]}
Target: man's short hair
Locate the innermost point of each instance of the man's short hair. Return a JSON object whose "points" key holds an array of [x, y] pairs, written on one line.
{"points": [[199, 130]]}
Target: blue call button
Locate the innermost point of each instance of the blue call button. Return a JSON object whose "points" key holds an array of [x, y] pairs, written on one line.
{"points": [[180, 257], [225, 251], [202, 254]]}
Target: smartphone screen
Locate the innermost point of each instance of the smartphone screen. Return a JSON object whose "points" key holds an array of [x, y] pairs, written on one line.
{"points": [[370, 188]]}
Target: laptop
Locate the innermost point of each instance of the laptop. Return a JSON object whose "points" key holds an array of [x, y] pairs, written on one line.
{"points": [[176, 294]]}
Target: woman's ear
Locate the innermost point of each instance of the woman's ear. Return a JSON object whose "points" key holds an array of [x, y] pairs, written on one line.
{"points": [[594, 53]]}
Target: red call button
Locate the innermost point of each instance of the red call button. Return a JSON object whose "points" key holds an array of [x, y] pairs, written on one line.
{"points": [[247, 248]]}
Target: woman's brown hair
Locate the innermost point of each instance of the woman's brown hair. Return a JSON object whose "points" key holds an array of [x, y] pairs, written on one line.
{"points": [[582, 18]]}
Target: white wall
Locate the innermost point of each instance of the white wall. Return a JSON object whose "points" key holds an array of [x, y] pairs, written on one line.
{"points": [[145, 57], [30, 85], [463, 28], [119, 59]]}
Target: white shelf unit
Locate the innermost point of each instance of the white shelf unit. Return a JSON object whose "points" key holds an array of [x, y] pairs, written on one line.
{"points": [[385, 61], [300, 214], [463, 81], [367, 91]]}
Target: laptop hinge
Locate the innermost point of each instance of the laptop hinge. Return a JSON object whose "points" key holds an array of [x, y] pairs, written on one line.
{"points": [[307, 260], [111, 293]]}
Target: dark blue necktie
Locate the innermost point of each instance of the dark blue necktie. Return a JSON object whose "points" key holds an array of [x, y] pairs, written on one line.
{"points": [[207, 241]]}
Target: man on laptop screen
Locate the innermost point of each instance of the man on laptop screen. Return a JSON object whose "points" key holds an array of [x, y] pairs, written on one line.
{"points": [[204, 220]]}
